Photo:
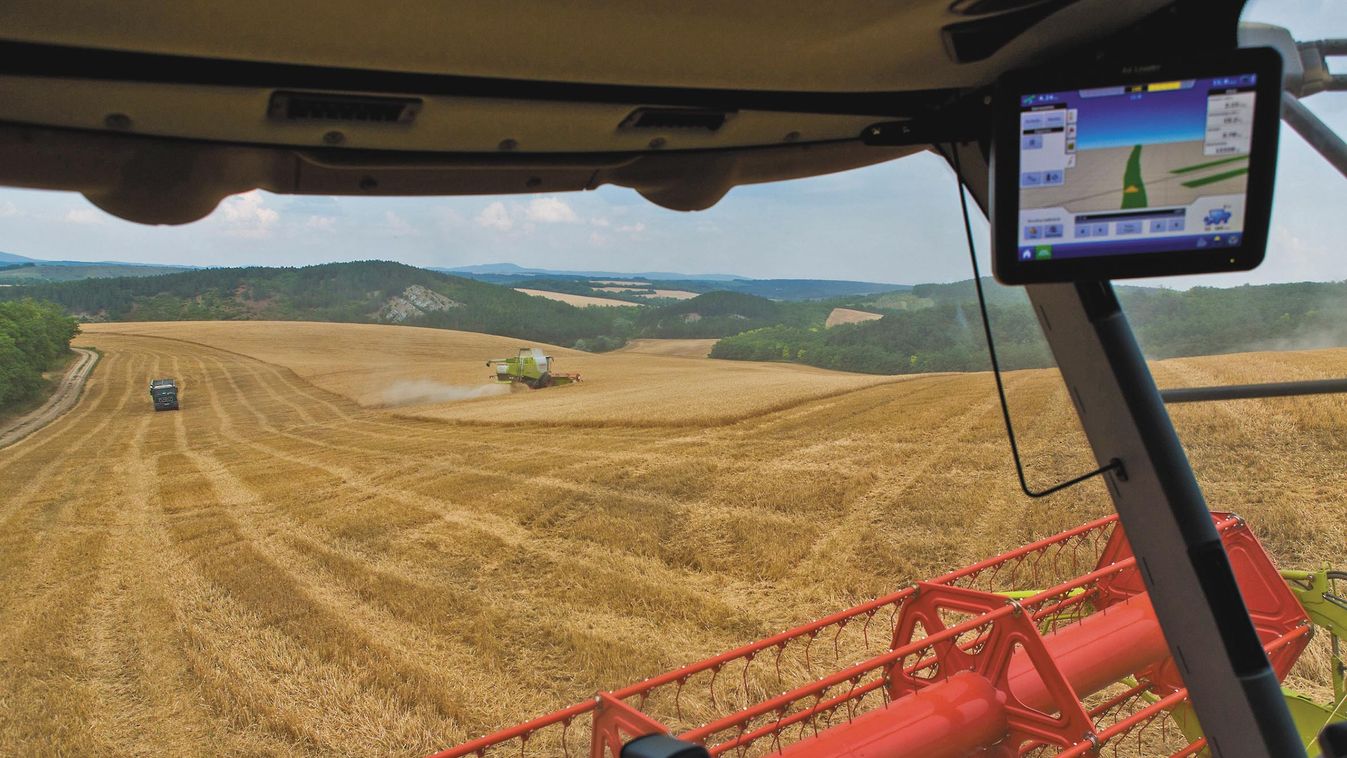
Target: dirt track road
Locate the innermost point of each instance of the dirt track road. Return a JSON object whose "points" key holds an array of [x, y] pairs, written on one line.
{"points": [[67, 392]]}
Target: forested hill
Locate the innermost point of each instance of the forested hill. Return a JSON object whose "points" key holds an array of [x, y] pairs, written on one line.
{"points": [[940, 330], [1201, 320], [932, 327], [719, 314], [384, 292], [365, 291]]}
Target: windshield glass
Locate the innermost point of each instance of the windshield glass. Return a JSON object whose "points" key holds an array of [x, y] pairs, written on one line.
{"points": [[442, 465]]}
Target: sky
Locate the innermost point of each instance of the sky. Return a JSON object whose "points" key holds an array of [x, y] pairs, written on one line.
{"points": [[897, 222]]}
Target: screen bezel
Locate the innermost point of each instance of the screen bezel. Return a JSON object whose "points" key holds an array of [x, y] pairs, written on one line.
{"points": [[1005, 170]]}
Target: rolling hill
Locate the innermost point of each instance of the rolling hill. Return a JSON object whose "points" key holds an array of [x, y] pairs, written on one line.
{"points": [[929, 327], [385, 292], [19, 269], [936, 327], [590, 282], [368, 291]]}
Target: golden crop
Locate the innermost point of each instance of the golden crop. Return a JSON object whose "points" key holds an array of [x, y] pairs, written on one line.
{"points": [[296, 564]]}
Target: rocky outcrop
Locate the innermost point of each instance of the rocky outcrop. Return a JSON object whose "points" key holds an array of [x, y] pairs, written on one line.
{"points": [[413, 302]]}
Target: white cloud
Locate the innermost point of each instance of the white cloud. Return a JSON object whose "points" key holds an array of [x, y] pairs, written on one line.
{"points": [[550, 210], [494, 216], [81, 216], [598, 240], [599, 221], [632, 229], [320, 223], [8, 209], [447, 217], [398, 225], [1295, 258], [246, 216]]}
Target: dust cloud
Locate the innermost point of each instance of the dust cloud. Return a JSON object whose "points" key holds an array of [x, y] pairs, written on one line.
{"points": [[412, 391], [1312, 340]]}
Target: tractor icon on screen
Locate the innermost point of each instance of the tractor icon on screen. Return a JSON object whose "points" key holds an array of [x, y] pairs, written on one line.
{"points": [[1216, 217]]}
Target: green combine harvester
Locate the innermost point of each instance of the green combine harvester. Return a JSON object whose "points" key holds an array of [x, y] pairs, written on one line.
{"points": [[531, 368]]}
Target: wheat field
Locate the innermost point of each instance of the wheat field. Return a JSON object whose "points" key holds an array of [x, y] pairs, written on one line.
{"points": [[579, 301], [840, 316], [685, 348], [296, 564]]}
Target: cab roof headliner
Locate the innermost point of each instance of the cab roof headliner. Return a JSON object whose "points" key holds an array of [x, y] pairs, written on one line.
{"points": [[156, 111]]}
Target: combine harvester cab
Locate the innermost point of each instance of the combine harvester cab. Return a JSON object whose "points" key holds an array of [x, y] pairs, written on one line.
{"points": [[531, 368], [164, 393], [1052, 649]]}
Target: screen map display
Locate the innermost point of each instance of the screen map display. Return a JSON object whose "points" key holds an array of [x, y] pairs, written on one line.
{"points": [[1150, 167]]}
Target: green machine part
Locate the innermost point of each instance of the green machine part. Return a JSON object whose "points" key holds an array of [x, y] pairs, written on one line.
{"points": [[1327, 610]]}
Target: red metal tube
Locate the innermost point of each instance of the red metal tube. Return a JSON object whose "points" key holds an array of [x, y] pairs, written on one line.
{"points": [[1094, 652], [941, 721], [966, 712]]}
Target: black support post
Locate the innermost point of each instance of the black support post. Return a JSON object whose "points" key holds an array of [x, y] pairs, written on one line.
{"points": [[1233, 688]]}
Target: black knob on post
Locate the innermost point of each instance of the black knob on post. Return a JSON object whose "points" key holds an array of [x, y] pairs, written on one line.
{"points": [[662, 746]]}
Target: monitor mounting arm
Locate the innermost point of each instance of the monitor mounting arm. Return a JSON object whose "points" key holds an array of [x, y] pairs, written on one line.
{"points": [[1305, 72]]}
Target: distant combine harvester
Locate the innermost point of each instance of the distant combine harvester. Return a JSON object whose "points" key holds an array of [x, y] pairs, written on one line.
{"points": [[531, 368]]}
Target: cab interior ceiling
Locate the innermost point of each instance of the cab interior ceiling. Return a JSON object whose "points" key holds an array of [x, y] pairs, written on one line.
{"points": [[155, 134]]}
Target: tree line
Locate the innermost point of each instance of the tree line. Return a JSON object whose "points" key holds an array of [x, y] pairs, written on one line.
{"points": [[34, 336], [932, 327], [335, 292], [948, 336], [944, 337], [357, 291]]}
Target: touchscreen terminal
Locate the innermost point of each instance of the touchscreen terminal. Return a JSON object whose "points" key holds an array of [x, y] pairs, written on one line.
{"points": [[1157, 174]]}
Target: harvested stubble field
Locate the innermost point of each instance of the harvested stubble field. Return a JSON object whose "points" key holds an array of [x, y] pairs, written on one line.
{"points": [[579, 301], [287, 567], [840, 316], [687, 348]]}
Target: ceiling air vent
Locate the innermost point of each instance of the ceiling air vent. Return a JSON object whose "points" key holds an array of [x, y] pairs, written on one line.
{"points": [[320, 106], [675, 118]]}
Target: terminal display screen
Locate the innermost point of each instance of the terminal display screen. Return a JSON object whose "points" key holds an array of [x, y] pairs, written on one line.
{"points": [[1160, 165], [1135, 170]]}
